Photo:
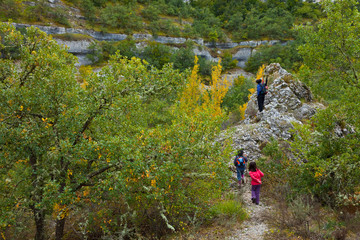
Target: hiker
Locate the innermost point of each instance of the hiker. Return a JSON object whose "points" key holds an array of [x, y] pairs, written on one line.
{"points": [[261, 92], [256, 176], [240, 163]]}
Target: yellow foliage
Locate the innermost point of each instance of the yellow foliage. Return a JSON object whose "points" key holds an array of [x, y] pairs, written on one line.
{"points": [[60, 211], [260, 72], [200, 98], [191, 94], [153, 182], [242, 110], [244, 106], [84, 73]]}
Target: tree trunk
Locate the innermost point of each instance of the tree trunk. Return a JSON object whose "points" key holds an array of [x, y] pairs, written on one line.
{"points": [[39, 216], [36, 197], [60, 224]]}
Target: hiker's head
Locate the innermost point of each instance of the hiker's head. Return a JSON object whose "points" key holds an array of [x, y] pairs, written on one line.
{"points": [[252, 167], [240, 152], [258, 81]]}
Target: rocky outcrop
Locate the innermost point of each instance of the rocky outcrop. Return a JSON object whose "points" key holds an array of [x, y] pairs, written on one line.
{"points": [[246, 48], [76, 47], [288, 101], [228, 45], [204, 54], [242, 56]]}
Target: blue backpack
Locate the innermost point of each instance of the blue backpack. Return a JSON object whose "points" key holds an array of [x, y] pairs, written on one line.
{"points": [[263, 89], [239, 162]]}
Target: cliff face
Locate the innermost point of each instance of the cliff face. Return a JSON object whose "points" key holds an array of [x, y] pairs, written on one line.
{"points": [[288, 101], [80, 48]]}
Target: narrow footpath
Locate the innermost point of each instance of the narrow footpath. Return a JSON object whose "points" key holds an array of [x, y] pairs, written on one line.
{"points": [[254, 228]]}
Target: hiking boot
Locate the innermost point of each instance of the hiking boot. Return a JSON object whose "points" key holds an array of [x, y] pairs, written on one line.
{"points": [[253, 200]]}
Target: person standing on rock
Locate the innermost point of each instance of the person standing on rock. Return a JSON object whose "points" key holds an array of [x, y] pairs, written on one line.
{"points": [[240, 163], [261, 92], [256, 176]]}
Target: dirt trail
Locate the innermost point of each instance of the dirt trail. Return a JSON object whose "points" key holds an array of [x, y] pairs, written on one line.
{"points": [[254, 227]]}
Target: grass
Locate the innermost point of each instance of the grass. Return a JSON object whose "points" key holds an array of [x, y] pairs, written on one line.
{"points": [[229, 208], [72, 37]]}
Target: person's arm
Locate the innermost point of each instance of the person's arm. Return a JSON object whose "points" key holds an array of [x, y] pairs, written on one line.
{"points": [[261, 173]]}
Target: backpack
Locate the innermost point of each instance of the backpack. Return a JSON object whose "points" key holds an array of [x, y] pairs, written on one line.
{"points": [[239, 162], [263, 89]]}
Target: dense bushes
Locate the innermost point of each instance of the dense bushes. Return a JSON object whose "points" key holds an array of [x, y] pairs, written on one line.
{"points": [[124, 153], [319, 169], [235, 100], [237, 94], [156, 55], [287, 55], [324, 174], [120, 16], [250, 19]]}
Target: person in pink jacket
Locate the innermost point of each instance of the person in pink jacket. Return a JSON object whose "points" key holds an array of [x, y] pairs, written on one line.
{"points": [[256, 176]]}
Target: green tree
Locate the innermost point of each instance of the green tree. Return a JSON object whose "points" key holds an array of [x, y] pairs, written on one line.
{"points": [[237, 94], [121, 16], [183, 58], [287, 55], [157, 54], [329, 143], [133, 139], [331, 52]]}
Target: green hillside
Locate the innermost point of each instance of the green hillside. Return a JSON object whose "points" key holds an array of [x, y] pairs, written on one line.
{"points": [[213, 20], [144, 147]]}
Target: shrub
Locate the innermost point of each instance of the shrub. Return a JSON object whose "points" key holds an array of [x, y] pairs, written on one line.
{"points": [[237, 94], [286, 55], [228, 62], [183, 58], [229, 209], [151, 13], [205, 66], [157, 54], [119, 16], [103, 50]]}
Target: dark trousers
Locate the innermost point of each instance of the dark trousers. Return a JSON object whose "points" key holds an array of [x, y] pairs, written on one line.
{"points": [[240, 173], [255, 193], [261, 99]]}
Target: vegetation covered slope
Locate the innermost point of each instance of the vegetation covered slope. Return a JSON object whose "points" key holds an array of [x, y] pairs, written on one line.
{"points": [[130, 152], [126, 152], [214, 20], [321, 190]]}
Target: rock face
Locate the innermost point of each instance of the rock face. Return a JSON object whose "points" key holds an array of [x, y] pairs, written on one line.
{"points": [[288, 101], [242, 55], [247, 48], [76, 47]]}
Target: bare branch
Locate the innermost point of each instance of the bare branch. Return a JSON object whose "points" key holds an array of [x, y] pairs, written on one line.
{"points": [[91, 175]]}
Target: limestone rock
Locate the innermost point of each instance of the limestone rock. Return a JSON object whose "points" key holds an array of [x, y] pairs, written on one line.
{"points": [[76, 47], [288, 101], [242, 55]]}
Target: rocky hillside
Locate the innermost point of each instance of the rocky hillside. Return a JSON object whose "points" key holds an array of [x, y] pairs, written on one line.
{"points": [[241, 51], [288, 101]]}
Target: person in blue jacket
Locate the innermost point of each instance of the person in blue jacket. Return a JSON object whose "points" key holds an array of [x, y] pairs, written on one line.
{"points": [[240, 160], [261, 92]]}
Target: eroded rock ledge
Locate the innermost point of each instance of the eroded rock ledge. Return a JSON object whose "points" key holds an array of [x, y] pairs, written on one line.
{"points": [[80, 48], [288, 101]]}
